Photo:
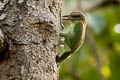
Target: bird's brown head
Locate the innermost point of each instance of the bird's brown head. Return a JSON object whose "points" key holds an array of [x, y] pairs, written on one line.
{"points": [[76, 16]]}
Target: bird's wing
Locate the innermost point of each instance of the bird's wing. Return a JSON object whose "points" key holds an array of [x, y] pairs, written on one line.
{"points": [[69, 35], [76, 40]]}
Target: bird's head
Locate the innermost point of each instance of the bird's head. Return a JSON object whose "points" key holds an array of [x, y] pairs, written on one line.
{"points": [[76, 16]]}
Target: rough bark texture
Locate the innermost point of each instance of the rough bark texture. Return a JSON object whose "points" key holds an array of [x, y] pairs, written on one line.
{"points": [[32, 28]]}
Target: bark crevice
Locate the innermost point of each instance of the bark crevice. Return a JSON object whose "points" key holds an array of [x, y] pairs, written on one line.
{"points": [[4, 46]]}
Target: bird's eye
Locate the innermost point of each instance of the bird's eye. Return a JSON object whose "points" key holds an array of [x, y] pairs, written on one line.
{"points": [[76, 16]]}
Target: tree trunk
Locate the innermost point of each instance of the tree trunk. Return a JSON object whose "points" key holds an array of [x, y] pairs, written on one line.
{"points": [[31, 28]]}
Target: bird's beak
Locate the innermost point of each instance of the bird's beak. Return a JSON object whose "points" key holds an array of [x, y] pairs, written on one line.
{"points": [[65, 17]]}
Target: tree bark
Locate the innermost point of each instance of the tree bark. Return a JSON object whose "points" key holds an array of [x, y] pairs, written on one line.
{"points": [[32, 29]]}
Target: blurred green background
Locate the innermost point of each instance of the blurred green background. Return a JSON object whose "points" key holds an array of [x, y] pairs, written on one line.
{"points": [[99, 57]]}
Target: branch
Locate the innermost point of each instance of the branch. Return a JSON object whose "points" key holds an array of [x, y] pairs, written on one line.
{"points": [[93, 46], [99, 4]]}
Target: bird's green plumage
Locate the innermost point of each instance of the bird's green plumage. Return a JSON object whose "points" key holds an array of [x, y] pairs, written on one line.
{"points": [[73, 35], [72, 42], [77, 36]]}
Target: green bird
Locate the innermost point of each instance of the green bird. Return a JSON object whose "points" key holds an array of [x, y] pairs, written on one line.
{"points": [[72, 36]]}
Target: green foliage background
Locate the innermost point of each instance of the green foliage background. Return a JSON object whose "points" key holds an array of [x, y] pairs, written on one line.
{"points": [[99, 57]]}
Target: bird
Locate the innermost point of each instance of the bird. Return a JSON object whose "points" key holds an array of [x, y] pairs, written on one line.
{"points": [[74, 35]]}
